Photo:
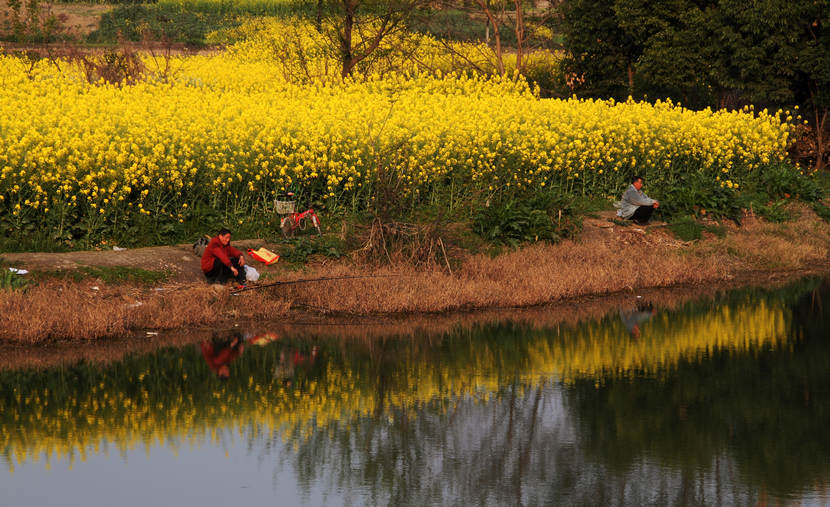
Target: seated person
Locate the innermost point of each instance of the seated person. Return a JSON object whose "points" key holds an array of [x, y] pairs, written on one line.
{"points": [[635, 205], [221, 261]]}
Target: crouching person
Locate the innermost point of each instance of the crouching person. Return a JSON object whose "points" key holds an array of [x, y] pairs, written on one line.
{"points": [[635, 204], [222, 262]]}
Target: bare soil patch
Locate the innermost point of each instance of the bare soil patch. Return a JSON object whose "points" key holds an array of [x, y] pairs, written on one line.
{"points": [[76, 19], [80, 19], [178, 260]]}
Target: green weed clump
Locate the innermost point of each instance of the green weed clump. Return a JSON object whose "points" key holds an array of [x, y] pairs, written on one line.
{"points": [[765, 191], [10, 280], [107, 274], [689, 229], [514, 219], [298, 250]]}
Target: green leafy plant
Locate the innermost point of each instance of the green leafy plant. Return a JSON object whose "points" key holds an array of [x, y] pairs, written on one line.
{"points": [[822, 211], [700, 194], [10, 280], [514, 219], [298, 250], [784, 181], [775, 211]]}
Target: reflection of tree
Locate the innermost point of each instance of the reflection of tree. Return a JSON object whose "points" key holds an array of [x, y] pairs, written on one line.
{"points": [[516, 448], [767, 406]]}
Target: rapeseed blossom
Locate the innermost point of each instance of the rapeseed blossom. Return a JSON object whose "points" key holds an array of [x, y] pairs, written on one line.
{"points": [[231, 131]]}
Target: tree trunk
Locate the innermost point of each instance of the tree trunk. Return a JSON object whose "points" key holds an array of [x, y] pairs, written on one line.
{"points": [[630, 79], [821, 121], [483, 4], [319, 19], [346, 53], [520, 35]]}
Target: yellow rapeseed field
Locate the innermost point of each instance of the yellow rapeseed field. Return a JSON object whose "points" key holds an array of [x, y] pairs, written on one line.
{"points": [[232, 130]]}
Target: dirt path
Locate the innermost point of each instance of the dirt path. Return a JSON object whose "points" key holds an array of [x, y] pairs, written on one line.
{"points": [[178, 260]]}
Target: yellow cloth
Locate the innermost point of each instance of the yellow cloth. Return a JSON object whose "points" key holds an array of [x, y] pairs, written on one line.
{"points": [[264, 255]]}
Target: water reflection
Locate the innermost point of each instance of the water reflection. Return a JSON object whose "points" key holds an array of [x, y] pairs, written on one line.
{"points": [[220, 351], [718, 402], [633, 318]]}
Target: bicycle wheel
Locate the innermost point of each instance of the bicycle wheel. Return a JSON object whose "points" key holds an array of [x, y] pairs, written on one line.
{"points": [[303, 223], [287, 226]]}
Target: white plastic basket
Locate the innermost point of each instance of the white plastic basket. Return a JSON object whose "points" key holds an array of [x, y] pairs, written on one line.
{"points": [[284, 207]]}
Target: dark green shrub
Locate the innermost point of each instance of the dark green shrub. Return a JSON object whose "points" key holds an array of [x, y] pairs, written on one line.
{"points": [[160, 22], [298, 250], [783, 181], [697, 193], [513, 219]]}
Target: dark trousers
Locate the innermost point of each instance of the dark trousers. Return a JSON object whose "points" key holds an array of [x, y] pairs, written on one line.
{"points": [[642, 215], [221, 273]]}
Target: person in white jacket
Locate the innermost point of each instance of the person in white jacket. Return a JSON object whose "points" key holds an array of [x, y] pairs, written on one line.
{"points": [[636, 205]]}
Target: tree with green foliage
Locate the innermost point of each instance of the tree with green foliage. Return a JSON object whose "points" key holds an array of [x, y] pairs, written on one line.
{"points": [[812, 71], [601, 54], [718, 53], [358, 29]]}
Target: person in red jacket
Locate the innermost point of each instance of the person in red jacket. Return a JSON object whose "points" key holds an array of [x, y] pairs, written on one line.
{"points": [[221, 261]]}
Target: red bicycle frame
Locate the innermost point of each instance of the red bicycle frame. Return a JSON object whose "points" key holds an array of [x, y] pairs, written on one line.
{"points": [[294, 221]]}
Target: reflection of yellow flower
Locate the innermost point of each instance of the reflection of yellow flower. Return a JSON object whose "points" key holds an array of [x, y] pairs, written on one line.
{"points": [[123, 411]]}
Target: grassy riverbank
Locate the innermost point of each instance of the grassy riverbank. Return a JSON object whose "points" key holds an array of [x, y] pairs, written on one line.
{"points": [[605, 258]]}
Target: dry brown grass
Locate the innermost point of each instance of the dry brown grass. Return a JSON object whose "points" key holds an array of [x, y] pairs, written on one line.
{"points": [[626, 258], [759, 245], [532, 275], [367, 329], [72, 310], [607, 261]]}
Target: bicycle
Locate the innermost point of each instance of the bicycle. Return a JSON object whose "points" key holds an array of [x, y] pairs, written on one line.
{"points": [[291, 220]]}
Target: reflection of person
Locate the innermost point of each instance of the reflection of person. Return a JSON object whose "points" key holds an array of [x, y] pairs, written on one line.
{"points": [[221, 261], [290, 361], [632, 319], [219, 352], [636, 205]]}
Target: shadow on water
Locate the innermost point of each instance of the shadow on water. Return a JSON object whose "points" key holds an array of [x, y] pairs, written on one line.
{"points": [[715, 401]]}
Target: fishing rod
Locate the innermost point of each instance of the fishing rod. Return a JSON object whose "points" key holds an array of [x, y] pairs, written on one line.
{"points": [[306, 280]]}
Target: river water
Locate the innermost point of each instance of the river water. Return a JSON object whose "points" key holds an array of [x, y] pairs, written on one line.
{"points": [[718, 401]]}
